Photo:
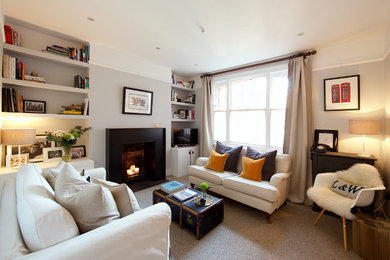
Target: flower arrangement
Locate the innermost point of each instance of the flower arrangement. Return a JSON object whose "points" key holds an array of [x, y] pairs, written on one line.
{"points": [[67, 139]]}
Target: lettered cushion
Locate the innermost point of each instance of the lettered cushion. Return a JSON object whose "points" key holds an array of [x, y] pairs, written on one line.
{"points": [[269, 164], [346, 188], [123, 196], [43, 222], [234, 155], [251, 169], [91, 205], [216, 161]]}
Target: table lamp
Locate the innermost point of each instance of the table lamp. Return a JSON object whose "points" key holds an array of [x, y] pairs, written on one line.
{"points": [[364, 127], [17, 136]]}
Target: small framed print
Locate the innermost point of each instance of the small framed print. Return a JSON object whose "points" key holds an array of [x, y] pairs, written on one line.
{"points": [[183, 114], [13, 160], [52, 154], [342, 93], [77, 151], [34, 106], [137, 101], [328, 138]]}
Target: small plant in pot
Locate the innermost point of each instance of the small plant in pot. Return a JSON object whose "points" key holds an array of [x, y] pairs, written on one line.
{"points": [[203, 188]]}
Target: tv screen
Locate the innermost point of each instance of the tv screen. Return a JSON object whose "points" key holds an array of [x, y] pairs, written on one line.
{"points": [[185, 137]]}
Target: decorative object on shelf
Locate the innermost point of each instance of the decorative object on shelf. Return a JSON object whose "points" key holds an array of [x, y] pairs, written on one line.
{"points": [[77, 151], [53, 154], [328, 138], [183, 114], [203, 188], [13, 160], [137, 101], [66, 139], [17, 136], [342, 93], [364, 127], [35, 150], [34, 106]]}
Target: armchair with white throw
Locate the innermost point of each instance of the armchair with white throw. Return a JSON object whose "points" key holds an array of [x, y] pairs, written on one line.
{"points": [[340, 191]]}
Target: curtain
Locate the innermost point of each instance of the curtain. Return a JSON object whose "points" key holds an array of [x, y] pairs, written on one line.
{"points": [[298, 126], [206, 130]]}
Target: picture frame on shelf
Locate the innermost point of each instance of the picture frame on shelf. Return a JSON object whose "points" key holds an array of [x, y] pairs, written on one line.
{"points": [[52, 154], [183, 114], [13, 160], [328, 138], [35, 150], [34, 106], [342, 93], [78, 151], [137, 101]]}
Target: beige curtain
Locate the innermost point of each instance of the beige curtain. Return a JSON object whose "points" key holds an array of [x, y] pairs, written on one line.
{"points": [[206, 130], [298, 127]]}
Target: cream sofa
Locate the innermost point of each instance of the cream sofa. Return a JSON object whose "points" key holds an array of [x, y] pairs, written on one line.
{"points": [[265, 195], [141, 235]]}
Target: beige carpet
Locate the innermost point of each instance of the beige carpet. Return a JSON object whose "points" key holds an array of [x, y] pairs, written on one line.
{"points": [[245, 234]]}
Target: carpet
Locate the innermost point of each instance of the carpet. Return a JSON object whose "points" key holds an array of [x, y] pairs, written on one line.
{"points": [[245, 234]]}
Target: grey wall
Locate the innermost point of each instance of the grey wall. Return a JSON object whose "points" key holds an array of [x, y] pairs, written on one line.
{"points": [[106, 107]]}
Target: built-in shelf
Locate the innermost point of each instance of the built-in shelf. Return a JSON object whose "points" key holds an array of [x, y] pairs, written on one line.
{"points": [[33, 84], [182, 120], [32, 115], [182, 88], [8, 48], [182, 104]]}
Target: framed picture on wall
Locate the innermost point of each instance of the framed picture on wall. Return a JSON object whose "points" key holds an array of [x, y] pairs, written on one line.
{"points": [[137, 101], [342, 93], [328, 138]]}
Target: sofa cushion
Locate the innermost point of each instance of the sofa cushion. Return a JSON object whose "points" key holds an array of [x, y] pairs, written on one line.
{"points": [[209, 175], [91, 205], [216, 161], [269, 164], [43, 222], [234, 155], [251, 169], [123, 196], [263, 189]]}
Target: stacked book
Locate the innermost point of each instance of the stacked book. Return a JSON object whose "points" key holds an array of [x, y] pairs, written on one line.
{"points": [[190, 99], [33, 78], [57, 50], [12, 68], [172, 186], [80, 82], [11, 36], [12, 101], [71, 110]]}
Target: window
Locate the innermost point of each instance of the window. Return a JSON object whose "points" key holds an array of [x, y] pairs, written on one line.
{"points": [[249, 108]]}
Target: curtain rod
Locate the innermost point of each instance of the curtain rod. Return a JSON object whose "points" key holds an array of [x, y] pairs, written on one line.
{"points": [[273, 60]]}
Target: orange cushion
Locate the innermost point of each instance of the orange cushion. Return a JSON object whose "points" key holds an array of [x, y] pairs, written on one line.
{"points": [[216, 161], [251, 169]]}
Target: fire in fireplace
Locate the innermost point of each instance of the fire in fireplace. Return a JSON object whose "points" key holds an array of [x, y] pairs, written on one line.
{"points": [[138, 160]]}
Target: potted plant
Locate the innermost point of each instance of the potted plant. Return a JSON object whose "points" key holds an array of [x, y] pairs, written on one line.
{"points": [[203, 188]]}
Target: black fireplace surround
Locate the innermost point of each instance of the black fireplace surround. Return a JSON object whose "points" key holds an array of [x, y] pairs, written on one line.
{"points": [[118, 138]]}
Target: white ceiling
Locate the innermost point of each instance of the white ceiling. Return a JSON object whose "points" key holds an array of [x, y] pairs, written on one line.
{"points": [[236, 31]]}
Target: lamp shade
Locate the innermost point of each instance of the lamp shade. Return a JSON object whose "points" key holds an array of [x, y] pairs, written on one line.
{"points": [[17, 136], [364, 127]]}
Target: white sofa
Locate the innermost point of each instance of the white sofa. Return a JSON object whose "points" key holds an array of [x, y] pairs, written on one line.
{"points": [[141, 235], [265, 195]]}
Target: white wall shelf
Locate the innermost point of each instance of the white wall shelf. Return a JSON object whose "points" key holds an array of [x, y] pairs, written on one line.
{"points": [[183, 120], [182, 88], [32, 115], [7, 48], [32, 84], [182, 104]]}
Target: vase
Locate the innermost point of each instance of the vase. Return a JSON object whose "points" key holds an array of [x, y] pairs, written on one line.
{"points": [[67, 156]]}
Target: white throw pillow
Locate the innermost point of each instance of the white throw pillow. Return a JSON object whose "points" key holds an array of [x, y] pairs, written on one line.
{"points": [[51, 174], [91, 205], [43, 222], [346, 188], [123, 196]]}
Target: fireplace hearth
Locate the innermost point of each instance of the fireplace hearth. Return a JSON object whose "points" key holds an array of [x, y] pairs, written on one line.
{"points": [[136, 156]]}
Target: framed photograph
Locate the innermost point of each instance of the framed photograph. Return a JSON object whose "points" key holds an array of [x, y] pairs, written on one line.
{"points": [[137, 101], [342, 93], [52, 154], [328, 138], [34, 151], [77, 151], [183, 114], [13, 160], [34, 106]]}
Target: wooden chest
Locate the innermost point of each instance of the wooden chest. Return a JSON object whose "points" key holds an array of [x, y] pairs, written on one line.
{"points": [[196, 219]]}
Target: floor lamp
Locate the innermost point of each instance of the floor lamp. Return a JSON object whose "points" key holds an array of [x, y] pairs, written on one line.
{"points": [[364, 127], [18, 136]]}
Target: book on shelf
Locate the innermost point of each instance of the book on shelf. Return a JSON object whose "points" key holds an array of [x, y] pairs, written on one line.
{"points": [[12, 67], [172, 186], [36, 79], [184, 194], [12, 100], [12, 36], [81, 82], [85, 106]]}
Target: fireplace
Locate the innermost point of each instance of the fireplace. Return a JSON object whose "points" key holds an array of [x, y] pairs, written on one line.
{"points": [[136, 156]]}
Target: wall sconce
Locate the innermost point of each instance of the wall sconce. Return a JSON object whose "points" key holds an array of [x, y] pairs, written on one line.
{"points": [[364, 127]]}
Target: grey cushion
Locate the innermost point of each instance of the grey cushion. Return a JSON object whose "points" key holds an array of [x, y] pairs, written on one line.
{"points": [[234, 155], [269, 164]]}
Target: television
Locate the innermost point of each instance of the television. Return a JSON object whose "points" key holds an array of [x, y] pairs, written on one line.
{"points": [[185, 137]]}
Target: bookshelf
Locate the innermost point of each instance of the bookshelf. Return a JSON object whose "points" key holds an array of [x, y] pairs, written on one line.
{"points": [[58, 71], [178, 95]]}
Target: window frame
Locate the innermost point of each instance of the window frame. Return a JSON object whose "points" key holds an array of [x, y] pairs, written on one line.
{"points": [[249, 74]]}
